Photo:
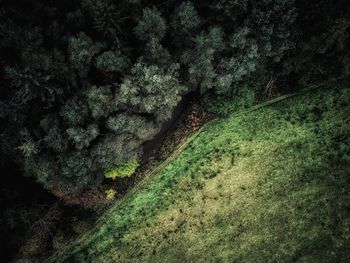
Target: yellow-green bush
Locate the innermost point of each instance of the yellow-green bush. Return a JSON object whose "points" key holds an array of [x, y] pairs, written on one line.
{"points": [[111, 194], [124, 170]]}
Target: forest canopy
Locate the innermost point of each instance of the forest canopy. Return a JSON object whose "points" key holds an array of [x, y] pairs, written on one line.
{"points": [[100, 77]]}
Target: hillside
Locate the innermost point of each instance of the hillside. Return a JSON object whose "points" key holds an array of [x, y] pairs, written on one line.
{"points": [[270, 184]]}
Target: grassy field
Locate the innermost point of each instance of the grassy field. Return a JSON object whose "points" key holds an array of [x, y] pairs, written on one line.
{"points": [[265, 185]]}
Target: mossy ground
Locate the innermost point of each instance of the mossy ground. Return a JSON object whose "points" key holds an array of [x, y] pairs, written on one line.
{"points": [[269, 185]]}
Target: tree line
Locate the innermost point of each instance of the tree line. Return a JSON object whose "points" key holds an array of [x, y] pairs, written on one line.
{"points": [[85, 82]]}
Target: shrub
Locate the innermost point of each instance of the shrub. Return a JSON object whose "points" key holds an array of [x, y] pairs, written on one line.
{"points": [[223, 106], [124, 170], [110, 194]]}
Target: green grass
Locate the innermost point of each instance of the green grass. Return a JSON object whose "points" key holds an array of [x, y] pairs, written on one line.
{"points": [[266, 185]]}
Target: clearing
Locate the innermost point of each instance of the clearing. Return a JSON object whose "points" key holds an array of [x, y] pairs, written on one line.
{"points": [[269, 184]]}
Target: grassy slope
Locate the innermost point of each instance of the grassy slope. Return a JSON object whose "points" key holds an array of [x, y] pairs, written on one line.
{"points": [[269, 185]]}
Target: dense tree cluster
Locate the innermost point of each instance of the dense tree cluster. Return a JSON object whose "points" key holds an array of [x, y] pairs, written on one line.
{"points": [[322, 53], [85, 82]]}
